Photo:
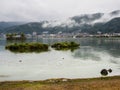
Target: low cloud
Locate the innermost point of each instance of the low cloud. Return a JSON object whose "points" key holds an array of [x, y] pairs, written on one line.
{"points": [[106, 17], [39, 10], [63, 23], [70, 22]]}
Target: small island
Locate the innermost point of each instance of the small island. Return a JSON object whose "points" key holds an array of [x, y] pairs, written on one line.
{"points": [[15, 36], [65, 45], [27, 47]]}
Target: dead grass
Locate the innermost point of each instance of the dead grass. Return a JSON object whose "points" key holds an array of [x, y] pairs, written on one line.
{"points": [[107, 83]]}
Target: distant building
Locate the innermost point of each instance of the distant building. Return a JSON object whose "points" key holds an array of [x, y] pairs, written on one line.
{"points": [[28, 35], [34, 33], [98, 32], [60, 32], [45, 32]]}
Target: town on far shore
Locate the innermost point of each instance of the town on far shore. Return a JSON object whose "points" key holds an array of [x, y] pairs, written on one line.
{"points": [[46, 34]]}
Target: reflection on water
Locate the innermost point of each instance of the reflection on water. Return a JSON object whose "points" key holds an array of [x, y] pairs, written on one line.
{"points": [[93, 55]]}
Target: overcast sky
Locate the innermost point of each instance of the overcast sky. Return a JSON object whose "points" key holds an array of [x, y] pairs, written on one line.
{"points": [[37, 10]]}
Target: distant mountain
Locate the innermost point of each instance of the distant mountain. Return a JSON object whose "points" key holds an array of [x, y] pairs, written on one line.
{"points": [[26, 28], [4, 25], [113, 26], [87, 18], [88, 23], [117, 12]]}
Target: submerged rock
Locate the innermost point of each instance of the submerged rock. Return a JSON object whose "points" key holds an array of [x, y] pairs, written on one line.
{"points": [[20, 60]]}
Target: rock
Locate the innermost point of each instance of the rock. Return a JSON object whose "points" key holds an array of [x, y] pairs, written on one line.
{"points": [[104, 72], [110, 70], [64, 80], [20, 60]]}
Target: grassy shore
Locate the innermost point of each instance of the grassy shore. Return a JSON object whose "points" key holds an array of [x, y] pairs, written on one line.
{"points": [[106, 83]]}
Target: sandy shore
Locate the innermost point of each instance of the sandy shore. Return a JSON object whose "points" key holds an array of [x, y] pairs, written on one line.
{"points": [[106, 83]]}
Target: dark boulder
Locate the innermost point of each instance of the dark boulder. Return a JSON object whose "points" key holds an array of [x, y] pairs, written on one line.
{"points": [[109, 70], [104, 72]]}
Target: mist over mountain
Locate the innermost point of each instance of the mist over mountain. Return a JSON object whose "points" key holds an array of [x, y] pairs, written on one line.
{"points": [[88, 23], [113, 26], [87, 18], [117, 12]]}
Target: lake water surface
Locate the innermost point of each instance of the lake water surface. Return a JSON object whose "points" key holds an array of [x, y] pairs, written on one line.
{"points": [[93, 55]]}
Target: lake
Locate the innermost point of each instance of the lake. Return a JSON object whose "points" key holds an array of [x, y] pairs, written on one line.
{"points": [[93, 55]]}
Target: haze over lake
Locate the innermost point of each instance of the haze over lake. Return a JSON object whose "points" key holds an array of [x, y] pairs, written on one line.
{"points": [[93, 55]]}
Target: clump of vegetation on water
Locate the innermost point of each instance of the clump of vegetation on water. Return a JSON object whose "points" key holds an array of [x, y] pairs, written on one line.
{"points": [[27, 47], [15, 36], [65, 45]]}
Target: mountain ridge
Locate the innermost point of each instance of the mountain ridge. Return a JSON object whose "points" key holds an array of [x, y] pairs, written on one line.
{"points": [[88, 23]]}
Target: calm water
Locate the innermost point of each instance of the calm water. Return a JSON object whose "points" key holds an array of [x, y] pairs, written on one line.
{"points": [[93, 55]]}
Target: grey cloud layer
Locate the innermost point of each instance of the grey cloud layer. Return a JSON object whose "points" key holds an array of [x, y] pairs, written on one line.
{"points": [[36, 10]]}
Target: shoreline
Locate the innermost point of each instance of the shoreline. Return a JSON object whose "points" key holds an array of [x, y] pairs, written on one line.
{"points": [[101, 83], [91, 78]]}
